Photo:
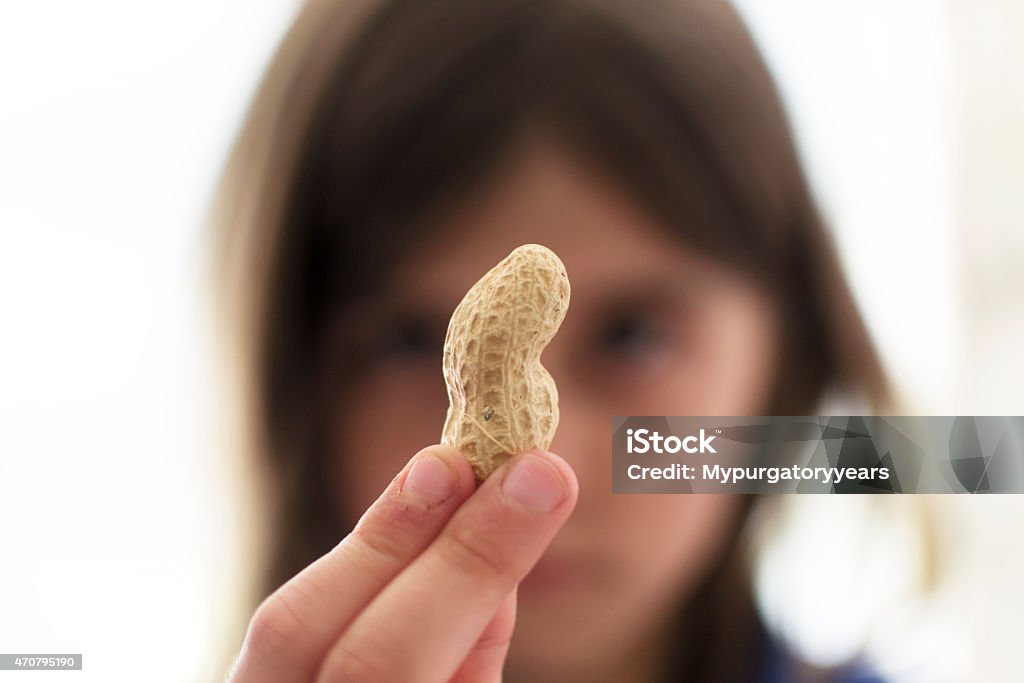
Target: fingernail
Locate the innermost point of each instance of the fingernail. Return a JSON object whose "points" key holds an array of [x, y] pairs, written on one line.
{"points": [[533, 483], [431, 480]]}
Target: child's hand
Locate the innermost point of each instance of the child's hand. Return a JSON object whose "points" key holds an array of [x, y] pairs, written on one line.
{"points": [[424, 588]]}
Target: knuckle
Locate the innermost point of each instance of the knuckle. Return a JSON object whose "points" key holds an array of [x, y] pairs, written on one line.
{"points": [[495, 641], [275, 627], [391, 529], [399, 515], [492, 646], [478, 554], [350, 665]]}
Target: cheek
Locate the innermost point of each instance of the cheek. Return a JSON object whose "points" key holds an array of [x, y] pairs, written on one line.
{"points": [[388, 417], [729, 367], [737, 367]]}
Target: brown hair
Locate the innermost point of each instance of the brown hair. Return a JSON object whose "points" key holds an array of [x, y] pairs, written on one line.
{"points": [[373, 112]]}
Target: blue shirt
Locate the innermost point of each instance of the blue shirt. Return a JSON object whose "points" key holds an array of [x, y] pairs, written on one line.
{"points": [[777, 666]]}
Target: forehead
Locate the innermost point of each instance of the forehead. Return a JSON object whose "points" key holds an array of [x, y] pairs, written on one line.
{"points": [[548, 195]]}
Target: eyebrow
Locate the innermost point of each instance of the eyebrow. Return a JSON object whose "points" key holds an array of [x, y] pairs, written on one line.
{"points": [[649, 291], [382, 307]]}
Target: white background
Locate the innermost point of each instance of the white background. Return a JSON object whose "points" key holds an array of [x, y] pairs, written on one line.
{"points": [[114, 120]]}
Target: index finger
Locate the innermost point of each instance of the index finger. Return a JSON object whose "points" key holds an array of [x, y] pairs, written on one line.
{"points": [[294, 628]]}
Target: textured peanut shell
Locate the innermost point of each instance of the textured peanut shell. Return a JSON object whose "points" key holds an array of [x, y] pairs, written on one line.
{"points": [[501, 399]]}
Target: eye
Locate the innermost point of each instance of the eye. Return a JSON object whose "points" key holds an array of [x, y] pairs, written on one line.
{"points": [[632, 333], [408, 337]]}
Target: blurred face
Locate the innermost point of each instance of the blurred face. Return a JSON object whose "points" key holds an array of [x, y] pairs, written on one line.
{"points": [[652, 329]]}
